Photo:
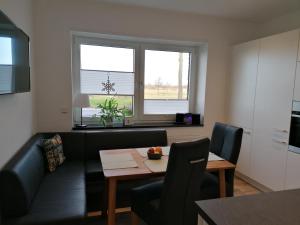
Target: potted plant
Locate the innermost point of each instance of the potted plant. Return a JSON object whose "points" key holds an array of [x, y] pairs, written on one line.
{"points": [[110, 112]]}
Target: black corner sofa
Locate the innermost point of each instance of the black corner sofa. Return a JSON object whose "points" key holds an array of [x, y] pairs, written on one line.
{"points": [[29, 195]]}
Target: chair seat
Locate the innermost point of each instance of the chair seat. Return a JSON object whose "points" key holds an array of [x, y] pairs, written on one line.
{"points": [[60, 199], [146, 201], [124, 189]]}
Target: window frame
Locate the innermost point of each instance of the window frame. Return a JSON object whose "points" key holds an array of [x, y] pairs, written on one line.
{"points": [[77, 41], [191, 88], [139, 47]]}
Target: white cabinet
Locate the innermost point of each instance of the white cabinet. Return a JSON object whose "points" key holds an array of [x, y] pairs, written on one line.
{"points": [[243, 82], [242, 96], [299, 51], [243, 165], [261, 94], [273, 104], [297, 83], [293, 171]]}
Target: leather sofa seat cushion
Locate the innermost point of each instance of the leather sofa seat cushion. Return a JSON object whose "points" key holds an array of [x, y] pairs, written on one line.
{"points": [[60, 198], [94, 171], [95, 196]]}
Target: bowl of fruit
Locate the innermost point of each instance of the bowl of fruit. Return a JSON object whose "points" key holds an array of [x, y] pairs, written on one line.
{"points": [[154, 153]]}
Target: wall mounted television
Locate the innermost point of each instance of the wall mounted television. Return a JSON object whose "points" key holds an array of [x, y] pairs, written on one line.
{"points": [[14, 58]]}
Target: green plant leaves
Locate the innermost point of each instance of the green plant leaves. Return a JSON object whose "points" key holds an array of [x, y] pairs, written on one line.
{"points": [[110, 110]]}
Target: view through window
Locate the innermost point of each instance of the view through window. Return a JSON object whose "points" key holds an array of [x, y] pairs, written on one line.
{"points": [[107, 72], [166, 82], [147, 81]]}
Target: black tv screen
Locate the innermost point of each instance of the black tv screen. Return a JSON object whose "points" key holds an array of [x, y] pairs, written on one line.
{"points": [[14, 58]]}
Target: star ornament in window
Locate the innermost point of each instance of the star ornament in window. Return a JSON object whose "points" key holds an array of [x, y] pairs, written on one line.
{"points": [[108, 86]]}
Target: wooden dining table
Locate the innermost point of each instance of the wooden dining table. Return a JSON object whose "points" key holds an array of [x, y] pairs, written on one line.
{"points": [[141, 171]]}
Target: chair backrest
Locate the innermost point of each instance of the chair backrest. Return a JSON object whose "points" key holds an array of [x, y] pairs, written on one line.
{"points": [[226, 142], [187, 163]]}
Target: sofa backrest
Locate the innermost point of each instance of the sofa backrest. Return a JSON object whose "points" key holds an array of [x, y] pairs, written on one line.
{"points": [[116, 139], [73, 144], [20, 179]]}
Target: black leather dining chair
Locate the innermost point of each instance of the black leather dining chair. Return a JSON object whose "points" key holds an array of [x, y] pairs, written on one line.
{"points": [[171, 201], [225, 142]]}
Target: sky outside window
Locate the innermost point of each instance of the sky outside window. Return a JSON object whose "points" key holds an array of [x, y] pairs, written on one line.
{"points": [[107, 58], [166, 74]]}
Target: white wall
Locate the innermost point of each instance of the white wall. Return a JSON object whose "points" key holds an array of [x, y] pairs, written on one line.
{"points": [[281, 24], [17, 110], [55, 19]]}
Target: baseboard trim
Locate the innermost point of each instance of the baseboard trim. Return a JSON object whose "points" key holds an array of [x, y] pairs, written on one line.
{"points": [[254, 183]]}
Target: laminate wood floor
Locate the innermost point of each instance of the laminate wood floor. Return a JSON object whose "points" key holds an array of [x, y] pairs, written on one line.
{"points": [[241, 188]]}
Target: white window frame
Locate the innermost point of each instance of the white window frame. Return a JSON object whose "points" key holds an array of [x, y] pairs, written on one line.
{"points": [[139, 45], [191, 84]]}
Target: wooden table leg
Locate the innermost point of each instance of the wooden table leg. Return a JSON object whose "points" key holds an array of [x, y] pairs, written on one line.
{"points": [[112, 188], [222, 183]]}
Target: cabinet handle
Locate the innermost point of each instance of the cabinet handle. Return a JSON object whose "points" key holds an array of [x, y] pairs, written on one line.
{"points": [[247, 131], [281, 130], [280, 141]]}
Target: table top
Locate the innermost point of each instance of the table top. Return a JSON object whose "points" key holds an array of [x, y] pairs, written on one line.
{"points": [[142, 170], [273, 208]]}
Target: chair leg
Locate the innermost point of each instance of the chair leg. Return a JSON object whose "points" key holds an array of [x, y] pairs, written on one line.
{"points": [[134, 219]]}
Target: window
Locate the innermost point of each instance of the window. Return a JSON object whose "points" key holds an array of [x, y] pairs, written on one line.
{"points": [[105, 72], [152, 81], [166, 82]]}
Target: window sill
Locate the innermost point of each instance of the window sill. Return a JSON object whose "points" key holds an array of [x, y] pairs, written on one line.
{"points": [[160, 125]]}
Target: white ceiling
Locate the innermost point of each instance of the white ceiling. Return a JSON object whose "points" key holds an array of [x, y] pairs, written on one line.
{"points": [[249, 10]]}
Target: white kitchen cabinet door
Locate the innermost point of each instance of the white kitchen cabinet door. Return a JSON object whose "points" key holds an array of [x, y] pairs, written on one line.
{"points": [[293, 171], [297, 83], [243, 164], [243, 83], [299, 50], [242, 96], [273, 105]]}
